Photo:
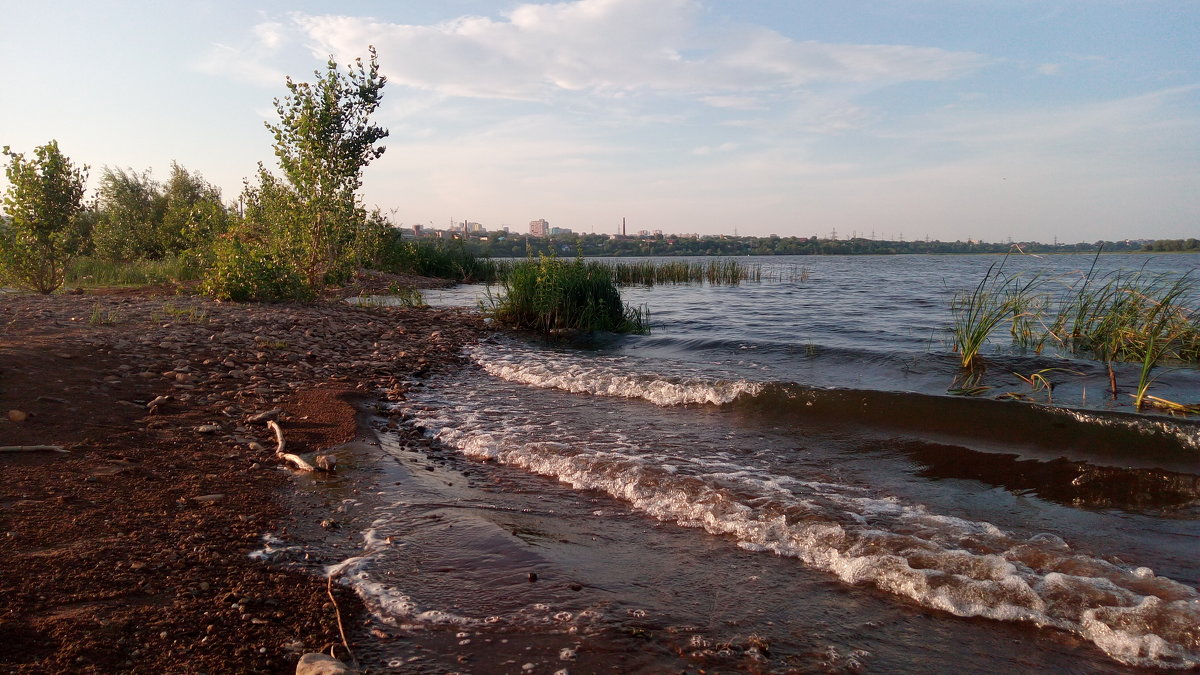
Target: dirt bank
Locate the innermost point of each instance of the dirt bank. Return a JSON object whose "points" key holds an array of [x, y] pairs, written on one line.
{"points": [[129, 552]]}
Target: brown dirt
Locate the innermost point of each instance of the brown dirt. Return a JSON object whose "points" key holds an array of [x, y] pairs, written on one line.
{"points": [[108, 561]]}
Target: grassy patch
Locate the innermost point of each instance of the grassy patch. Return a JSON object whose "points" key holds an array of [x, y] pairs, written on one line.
{"points": [[95, 272]]}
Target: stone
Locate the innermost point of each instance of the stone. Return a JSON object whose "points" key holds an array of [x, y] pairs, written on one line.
{"points": [[17, 416], [208, 428], [315, 663], [326, 462]]}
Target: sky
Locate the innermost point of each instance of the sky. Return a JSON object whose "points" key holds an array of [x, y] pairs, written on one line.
{"points": [[950, 119]]}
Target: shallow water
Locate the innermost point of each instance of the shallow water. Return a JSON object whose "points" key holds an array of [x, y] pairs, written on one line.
{"points": [[777, 478]]}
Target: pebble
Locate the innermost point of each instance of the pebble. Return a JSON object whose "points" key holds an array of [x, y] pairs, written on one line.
{"points": [[17, 416]]}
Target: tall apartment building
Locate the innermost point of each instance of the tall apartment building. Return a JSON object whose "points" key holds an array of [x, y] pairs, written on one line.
{"points": [[539, 228]]}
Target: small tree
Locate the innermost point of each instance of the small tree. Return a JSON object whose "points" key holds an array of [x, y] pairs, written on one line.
{"points": [[43, 204], [324, 140]]}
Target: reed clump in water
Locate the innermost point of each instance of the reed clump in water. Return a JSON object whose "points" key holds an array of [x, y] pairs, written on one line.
{"points": [[994, 300], [721, 271], [553, 296], [1132, 317]]}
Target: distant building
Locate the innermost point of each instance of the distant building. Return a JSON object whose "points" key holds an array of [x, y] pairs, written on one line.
{"points": [[539, 228], [416, 230], [560, 230]]}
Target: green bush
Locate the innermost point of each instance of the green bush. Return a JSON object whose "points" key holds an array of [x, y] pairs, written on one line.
{"points": [[242, 272], [551, 295]]}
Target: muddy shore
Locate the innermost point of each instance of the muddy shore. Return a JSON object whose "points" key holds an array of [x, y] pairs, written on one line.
{"points": [[130, 550]]}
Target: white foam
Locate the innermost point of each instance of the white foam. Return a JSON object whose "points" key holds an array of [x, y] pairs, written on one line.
{"points": [[603, 377], [964, 567]]}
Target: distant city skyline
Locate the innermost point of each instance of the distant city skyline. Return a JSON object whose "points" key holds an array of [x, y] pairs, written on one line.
{"points": [[1070, 120]]}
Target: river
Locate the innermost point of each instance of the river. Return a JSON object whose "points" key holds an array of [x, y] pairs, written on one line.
{"points": [[779, 477]]}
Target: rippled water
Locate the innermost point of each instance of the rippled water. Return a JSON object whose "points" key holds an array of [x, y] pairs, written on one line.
{"points": [[781, 463]]}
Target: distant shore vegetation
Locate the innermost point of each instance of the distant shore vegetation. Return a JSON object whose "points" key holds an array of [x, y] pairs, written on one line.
{"points": [[505, 244]]}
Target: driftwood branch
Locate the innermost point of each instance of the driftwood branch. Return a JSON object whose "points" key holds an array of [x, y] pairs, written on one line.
{"points": [[302, 462], [32, 448]]}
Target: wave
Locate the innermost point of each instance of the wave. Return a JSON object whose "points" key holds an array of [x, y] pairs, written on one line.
{"points": [[1049, 430], [602, 380], [967, 568]]}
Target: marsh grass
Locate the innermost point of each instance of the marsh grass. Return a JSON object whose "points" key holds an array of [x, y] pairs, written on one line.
{"points": [[996, 298], [1123, 317], [554, 296], [720, 271]]}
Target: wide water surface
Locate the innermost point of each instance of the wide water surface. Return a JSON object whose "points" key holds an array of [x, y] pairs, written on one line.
{"points": [[777, 477]]}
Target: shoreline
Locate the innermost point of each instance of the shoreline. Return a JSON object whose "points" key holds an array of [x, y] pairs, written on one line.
{"points": [[130, 551]]}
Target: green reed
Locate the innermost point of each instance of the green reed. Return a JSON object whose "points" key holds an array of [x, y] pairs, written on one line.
{"points": [[718, 271], [1134, 317], [554, 296], [996, 298]]}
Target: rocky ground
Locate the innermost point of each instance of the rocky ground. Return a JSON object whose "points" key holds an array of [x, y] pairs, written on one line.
{"points": [[129, 552]]}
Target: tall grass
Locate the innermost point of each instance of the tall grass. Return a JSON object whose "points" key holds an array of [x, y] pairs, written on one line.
{"points": [[995, 299], [1133, 317], [552, 296], [723, 271], [86, 271]]}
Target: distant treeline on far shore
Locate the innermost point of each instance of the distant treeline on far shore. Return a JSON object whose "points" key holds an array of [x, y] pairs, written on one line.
{"points": [[504, 244]]}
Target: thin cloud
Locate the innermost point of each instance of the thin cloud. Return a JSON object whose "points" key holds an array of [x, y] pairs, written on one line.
{"points": [[615, 47]]}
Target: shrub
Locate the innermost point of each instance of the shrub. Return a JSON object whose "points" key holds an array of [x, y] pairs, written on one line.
{"points": [[243, 272]]}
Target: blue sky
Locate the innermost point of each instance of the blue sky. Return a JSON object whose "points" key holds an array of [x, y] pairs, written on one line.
{"points": [[949, 119]]}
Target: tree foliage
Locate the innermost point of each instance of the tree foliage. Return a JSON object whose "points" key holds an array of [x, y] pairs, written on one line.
{"points": [[140, 218], [43, 204], [310, 217], [130, 207]]}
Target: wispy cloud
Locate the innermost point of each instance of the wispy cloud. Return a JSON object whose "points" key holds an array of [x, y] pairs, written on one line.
{"points": [[608, 48]]}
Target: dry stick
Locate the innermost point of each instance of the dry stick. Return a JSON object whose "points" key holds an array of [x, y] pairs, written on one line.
{"points": [[32, 448], [338, 614]]}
